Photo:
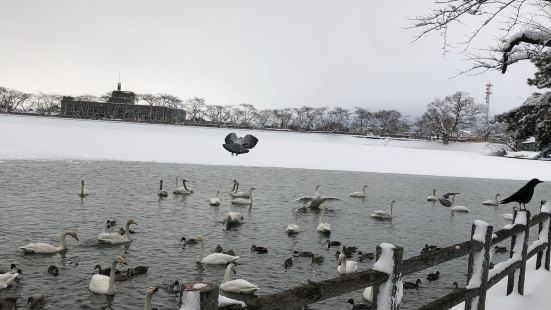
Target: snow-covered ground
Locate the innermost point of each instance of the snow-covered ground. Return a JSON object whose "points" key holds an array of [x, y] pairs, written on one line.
{"points": [[24, 137]]}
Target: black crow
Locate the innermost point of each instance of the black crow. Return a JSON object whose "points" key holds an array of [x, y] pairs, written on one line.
{"points": [[524, 194], [237, 146]]}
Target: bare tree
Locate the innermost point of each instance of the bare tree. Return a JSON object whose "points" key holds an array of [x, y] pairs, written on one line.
{"points": [[195, 108], [152, 100], [262, 117], [11, 99], [524, 28], [248, 113], [173, 102], [283, 117], [362, 116], [389, 121], [215, 113], [46, 103]]}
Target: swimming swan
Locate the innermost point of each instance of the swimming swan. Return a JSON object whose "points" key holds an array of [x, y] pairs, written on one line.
{"points": [[244, 201], [455, 208], [115, 237], [315, 200], [361, 194], [293, 228], [162, 192], [433, 197], [346, 266], [490, 202], [44, 248], [233, 218], [83, 191], [238, 285], [384, 214], [216, 200], [6, 279], [182, 190], [214, 258], [237, 194], [324, 228], [148, 295], [105, 285]]}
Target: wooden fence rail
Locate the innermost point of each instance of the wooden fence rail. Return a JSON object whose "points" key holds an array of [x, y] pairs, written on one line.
{"points": [[386, 281]]}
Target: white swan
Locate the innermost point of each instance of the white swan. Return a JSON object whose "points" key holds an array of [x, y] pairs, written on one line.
{"points": [[323, 227], [235, 193], [368, 294], [346, 266], [490, 202], [233, 218], [244, 201], [315, 200], [238, 285], [83, 191], [214, 258], [361, 194], [115, 237], [148, 295], [44, 248], [433, 197], [182, 190], [293, 228], [6, 279], [105, 285], [216, 200], [384, 214], [162, 192], [461, 209]]}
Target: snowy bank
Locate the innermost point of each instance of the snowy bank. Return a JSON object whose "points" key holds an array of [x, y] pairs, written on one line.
{"points": [[37, 138]]}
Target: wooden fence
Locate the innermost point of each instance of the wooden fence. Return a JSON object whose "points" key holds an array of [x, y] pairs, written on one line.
{"points": [[480, 277]]}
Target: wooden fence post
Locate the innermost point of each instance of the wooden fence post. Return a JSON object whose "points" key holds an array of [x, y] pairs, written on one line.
{"points": [[521, 217], [203, 294], [547, 209], [540, 229], [479, 264], [388, 295]]}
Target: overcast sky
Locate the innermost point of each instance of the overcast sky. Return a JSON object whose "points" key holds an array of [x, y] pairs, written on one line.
{"points": [[271, 54]]}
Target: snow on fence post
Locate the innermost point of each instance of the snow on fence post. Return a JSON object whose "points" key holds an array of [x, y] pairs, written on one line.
{"points": [[479, 264], [519, 248], [543, 235], [547, 209], [199, 296], [388, 295]]}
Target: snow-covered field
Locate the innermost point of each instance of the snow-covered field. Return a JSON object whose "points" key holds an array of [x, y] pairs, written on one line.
{"points": [[25, 137]]}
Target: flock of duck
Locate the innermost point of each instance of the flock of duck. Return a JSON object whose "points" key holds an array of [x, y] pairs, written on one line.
{"points": [[104, 281]]}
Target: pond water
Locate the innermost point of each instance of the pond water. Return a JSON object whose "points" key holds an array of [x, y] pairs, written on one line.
{"points": [[40, 198]]}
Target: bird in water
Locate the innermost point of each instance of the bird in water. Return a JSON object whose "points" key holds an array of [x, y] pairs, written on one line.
{"points": [[523, 195], [239, 145], [36, 302], [53, 270], [445, 199]]}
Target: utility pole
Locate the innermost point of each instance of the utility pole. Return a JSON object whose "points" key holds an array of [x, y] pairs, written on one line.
{"points": [[488, 93]]}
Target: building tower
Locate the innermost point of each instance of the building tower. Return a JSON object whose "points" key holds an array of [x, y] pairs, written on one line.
{"points": [[488, 93]]}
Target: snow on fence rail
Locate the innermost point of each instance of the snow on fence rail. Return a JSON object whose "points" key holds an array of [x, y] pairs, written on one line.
{"points": [[386, 280]]}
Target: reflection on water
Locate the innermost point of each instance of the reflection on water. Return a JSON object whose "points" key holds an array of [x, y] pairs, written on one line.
{"points": [[40, 198]]}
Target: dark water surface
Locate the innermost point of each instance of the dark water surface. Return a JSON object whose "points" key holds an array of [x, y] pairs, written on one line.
{"points": [[40, 198]]}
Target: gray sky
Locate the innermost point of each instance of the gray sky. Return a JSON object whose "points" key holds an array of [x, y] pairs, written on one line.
{"points": [[270, 54]]}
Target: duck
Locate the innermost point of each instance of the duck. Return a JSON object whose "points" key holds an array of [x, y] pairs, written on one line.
{"points": [[148, 296], [337, 254], [323, 227], [411, 285], [259, 249], [317, 259], [105, 285], [363, 256], [105, 271], [235, 193], [216, 200], [123, 277], [6, 279], [115, 237], [332, 243], [122, 231], [110, 223], [36, 302], [500, 249], [44, 248], [191, 241], [238, 285], [293, 229], [288, 263], [218, 249], [427, 248], [316, 199], [493, 203], [356, 306], [384, 214], [433, 276], [361, 194], [233, 218], [349, 251], [214, 258], [346, 266], [162, 193], [83, 191], [138, 270], [302, 254], [53, 270], [455, 285], [244, 201], [13, 269], [174, 288], [182, 190], [433, 196]]}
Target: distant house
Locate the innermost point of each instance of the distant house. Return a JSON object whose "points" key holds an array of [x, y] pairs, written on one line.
{"points": [[529, 145], [122, 106]]}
